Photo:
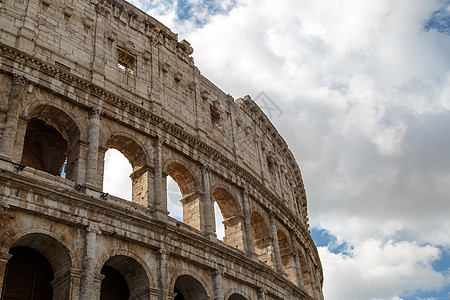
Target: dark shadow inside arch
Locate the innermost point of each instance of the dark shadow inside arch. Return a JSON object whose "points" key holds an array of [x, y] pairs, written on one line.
{"points": [[28, 275], [51, 142], [189, 288], [124, 278], [51, 251], [236, 296]]}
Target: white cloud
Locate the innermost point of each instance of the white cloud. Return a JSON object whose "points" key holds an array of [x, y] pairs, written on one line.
{"points": [[373, 270], [116, 179]]}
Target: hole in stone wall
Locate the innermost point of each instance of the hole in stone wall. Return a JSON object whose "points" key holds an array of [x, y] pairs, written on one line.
{"points": [[116, 178], [174, 205], [125, 61], [220, 228], [215, 117]]}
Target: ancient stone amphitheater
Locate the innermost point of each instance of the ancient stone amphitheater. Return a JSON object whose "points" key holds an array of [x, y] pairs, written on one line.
{"points": [[79, 77]]}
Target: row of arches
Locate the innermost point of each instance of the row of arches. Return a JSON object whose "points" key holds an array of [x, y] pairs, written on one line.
{"points": [[35, 270], [53, 142]]}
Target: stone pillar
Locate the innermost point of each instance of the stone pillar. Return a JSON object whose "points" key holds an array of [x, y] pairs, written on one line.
{"points": [[87, 288], [159, 208], [208, 208], [162, 278], [249, 241], [217, 285], [298, 268], [12, 116], [4, 257], [276, 246], [92, 153]]}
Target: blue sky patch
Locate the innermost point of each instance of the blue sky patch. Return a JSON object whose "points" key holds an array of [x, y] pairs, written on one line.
{"points": [[440, 20]]}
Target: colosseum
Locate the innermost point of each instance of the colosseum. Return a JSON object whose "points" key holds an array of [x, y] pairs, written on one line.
{"points": [[80, 77]]}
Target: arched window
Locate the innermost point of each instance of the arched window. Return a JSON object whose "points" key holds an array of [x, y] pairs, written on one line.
{"points": [[37, 261], [51, 142], [174, 196], [236, 296], [137, 158], [261, 238], [124, 278], [28, 275], [116, 177], [232, 220], [189, 288], [220, 228], [183, 180], [286, 256], [305, 272]]}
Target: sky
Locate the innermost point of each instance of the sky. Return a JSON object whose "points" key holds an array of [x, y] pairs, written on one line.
{"points": [[360, 91]]}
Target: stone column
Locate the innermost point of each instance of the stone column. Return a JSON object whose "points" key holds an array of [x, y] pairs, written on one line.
{"points": [[12, 116], [87, 287], [217, 285], [92, 153], [159, 208], [162, 278], [276, 246], [249, 242], [208, 208], [4, 257], [298, 268]]}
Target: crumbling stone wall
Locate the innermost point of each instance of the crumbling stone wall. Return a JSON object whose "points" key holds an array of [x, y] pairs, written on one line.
{"points": [[80, 77]]}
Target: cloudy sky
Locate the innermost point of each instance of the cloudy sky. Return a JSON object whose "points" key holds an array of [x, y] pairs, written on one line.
{"points": [[363, 91]]}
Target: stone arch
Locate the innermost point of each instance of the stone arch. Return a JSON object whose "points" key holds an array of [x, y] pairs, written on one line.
{"points": [[236, 296], [52, 139], [190, 191], [232, 217], [287, 258], [133, 272], [57, 255], [261, 238], [138, 157], [190, 287], [306, 276]]}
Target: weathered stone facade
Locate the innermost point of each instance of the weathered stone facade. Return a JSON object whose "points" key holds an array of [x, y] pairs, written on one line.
{"points": [[78, 77]]}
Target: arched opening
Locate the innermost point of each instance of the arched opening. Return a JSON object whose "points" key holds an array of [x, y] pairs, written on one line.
{"points": [[287, 259], [51, 142], [305, 272], [261, 239], [38, 250], [114, 285], [136, 157], [232, 220], [28, 275], [189, 288], [220, 227], [174, 196], [236, 296], [183, 181], [116, 176], [124, 278]]}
